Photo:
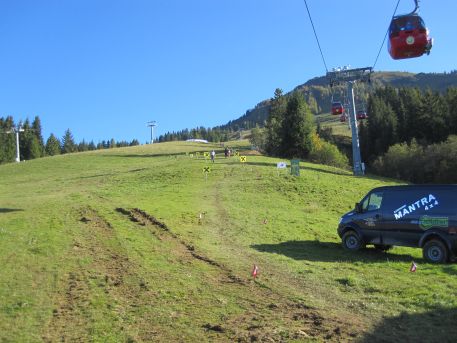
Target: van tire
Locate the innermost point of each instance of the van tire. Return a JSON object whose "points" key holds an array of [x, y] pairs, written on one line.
{"points": [[351, 241], [435, 251]]}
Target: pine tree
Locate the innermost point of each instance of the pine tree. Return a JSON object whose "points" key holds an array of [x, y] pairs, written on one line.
{"points": [[36, 127], [434, 118], [297, 128], [382, 127], [68, 143], [52, 146], [273, 124], [7, 140], [451, 98], [83, 146]]}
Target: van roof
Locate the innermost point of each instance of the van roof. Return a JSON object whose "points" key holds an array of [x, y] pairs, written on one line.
{"points": [[422, 186]]}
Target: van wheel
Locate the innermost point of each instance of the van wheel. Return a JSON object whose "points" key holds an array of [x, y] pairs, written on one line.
{"points": [[435, 251], [382, 247], [351, 241]]}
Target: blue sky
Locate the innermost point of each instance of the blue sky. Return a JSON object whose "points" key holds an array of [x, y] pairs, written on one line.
{"points": [[104, 68]]}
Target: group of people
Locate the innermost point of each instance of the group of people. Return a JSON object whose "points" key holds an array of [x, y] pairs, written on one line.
{"points": [[227, 153]]}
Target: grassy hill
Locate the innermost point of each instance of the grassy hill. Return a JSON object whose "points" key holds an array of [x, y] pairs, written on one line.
{"points": [[137, 245]]}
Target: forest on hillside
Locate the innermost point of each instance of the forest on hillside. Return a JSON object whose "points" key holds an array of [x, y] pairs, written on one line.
{"points": [[319, 95]]}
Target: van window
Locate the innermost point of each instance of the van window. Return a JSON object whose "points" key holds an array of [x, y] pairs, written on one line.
{"points": [[372, 202]]}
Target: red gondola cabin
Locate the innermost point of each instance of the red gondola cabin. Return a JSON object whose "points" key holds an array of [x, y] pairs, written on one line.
{"points": [[361, 114], [408, 37], [337, 108]]}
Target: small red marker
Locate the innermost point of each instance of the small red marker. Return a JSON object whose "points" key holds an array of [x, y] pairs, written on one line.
{"points": [[255, 271]]}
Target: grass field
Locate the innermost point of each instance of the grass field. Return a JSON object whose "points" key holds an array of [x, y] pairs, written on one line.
{"points": [[137, 245], [338, 128]]}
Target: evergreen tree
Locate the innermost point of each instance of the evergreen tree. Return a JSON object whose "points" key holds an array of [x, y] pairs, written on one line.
{"points": [[274, 122], [382, 127], [297, 128], [411, 102], [83, 146], [434, 118], [36, 127], [7, 140], [451, 98], [68, 143], [52, 146]]}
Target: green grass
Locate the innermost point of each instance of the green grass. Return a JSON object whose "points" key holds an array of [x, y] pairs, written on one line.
{"points": [[80, 263]]}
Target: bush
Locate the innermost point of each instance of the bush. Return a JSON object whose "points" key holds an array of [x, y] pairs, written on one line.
{"points": [[326, 153], [435, 163]]}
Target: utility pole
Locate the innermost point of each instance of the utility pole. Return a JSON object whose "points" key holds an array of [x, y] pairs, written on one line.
{"points": [[16, 130], [152, 125], [350, 76]]}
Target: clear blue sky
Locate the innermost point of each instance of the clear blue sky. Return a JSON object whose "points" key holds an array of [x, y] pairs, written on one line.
{"points": [[103, 68]]}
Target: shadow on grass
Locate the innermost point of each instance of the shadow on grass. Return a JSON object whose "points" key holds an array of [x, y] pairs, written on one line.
{"points": [[328, 252], [7, 210], [435, 325]]}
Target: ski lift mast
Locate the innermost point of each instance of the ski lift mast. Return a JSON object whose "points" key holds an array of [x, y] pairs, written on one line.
{"points": [[16, 130], [350, 76]]}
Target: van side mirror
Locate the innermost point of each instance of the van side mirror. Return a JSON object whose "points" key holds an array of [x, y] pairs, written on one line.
{"points": [[358, 208]]}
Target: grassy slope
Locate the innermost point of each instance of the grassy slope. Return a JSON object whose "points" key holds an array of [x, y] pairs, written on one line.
{"points": [[80, 263]]}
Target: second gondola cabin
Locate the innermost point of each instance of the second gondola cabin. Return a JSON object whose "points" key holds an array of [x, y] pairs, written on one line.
{"points": [[337, 108], [408, 37]]}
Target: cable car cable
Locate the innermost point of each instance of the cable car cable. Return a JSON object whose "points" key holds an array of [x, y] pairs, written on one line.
{"points": [[387, 32], [315, 34]]}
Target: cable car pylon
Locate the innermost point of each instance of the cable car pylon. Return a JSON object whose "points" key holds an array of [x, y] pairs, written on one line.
{"points": [[350, 76]]}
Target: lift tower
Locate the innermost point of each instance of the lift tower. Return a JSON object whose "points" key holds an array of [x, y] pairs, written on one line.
{"points": [[16, 131], [351, 76], [152, 125]]}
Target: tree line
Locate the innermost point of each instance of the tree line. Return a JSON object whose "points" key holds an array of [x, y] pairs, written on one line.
{"points": [[406, 124], [210, 134], [32, 144]]}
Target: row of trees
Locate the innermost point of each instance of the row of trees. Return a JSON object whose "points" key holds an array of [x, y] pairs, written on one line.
{"points": [[409, 134], [33, 146], [210, 134], [401, 115]]}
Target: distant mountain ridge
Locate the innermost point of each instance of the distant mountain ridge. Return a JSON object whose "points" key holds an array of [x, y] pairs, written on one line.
{"points": [[319, 96]]}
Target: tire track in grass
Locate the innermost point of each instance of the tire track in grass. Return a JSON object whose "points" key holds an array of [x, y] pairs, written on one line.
{"points": [[144, 219], [268, 316], [109, 272]]}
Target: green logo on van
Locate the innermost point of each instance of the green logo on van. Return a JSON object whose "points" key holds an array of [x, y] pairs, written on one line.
{"points": [[427, 222]]}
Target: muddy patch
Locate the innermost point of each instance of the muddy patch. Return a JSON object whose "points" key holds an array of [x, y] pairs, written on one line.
{"points": [[107, 273], [161, 231]]}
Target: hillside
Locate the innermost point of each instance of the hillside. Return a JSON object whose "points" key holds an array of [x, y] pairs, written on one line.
{"points": [[138, 245], [319, 96]]}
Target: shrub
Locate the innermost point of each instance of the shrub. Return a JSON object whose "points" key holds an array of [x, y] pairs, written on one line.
{"points": [[435, 163], [326, 153]]}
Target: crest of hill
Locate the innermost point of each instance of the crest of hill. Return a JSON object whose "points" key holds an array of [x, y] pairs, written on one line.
{"points": [[318, 93]]}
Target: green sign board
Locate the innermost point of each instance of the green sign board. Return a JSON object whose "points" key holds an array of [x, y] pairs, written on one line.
{"points": [[295, 167]]}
